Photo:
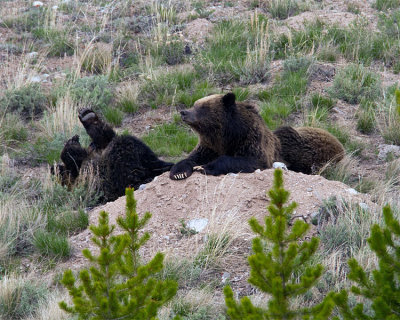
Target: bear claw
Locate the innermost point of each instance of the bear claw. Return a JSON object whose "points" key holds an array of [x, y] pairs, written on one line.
{"points": [[180, 176]]}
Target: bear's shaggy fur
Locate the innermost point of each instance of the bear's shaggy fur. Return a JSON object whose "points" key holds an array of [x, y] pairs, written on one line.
{"points": [[121, 161], [307, 149], [233, 138]]}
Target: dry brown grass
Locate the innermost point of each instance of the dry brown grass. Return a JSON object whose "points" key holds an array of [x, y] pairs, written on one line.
{"points": [[62, 117], [51, 310]]}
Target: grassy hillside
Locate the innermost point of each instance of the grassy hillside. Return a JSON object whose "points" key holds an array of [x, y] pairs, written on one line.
{"points": [[333, 65]]}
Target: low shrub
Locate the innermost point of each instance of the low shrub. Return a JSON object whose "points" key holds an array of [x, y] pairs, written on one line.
{"points": [[28, 101], [355, 82]]}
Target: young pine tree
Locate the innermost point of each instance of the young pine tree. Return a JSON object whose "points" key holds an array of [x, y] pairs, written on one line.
{"points": [[118, 285], [272, 269], [383, 288]]}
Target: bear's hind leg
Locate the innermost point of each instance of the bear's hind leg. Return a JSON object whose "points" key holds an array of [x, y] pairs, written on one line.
{"points": [[100, 132]]}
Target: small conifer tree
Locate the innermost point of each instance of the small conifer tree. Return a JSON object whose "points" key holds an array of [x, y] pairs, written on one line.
{"points": [[383, 288], [272, 268], [118, 285]]}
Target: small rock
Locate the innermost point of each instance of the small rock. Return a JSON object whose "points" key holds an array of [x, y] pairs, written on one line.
{"points": [[257, 171], [142, 187], [279, 165], [231, 174], [363, 206], [166, 238], [32, 55], [385, 149], [309, 189], [37, 4], [197, 224], [35, 79], [225, 277], [352, 191]]}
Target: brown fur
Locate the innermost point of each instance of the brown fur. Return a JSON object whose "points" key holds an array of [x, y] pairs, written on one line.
{"points": [[233, 138], [308, 149], [120, 161]]}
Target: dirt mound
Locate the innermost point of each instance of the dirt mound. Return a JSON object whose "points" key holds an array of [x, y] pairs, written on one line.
{"points": [[227, 202]]}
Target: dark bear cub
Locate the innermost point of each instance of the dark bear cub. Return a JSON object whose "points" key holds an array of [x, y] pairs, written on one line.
{"points": [[232, 138], [121, 161]]}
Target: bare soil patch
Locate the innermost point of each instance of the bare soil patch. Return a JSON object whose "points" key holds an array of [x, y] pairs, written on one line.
{"points": [[228, 202]]}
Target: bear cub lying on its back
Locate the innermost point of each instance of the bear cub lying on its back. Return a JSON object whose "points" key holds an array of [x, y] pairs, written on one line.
{"points": [[121, 161], [233, 137]]}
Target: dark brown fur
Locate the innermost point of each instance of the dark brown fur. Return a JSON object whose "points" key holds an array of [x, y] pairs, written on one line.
{"points": [[121, 161], [233, 138], [308, 149]]}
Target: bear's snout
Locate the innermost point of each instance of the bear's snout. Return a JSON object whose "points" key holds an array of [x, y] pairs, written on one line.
{"points": [[187, 116]]}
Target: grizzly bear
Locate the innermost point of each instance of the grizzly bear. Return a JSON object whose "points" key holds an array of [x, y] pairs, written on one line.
{"points": [[121, 161], [308, 149], [232, 138]]}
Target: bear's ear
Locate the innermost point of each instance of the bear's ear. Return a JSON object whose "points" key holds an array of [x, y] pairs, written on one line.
{"points": [[229, 100]]}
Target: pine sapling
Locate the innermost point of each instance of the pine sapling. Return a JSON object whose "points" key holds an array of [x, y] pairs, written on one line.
{"points": [[118, 285], [382, 286], [273, 268]]}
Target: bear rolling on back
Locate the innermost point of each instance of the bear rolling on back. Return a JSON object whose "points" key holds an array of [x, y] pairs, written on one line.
{"points": [[307, 149], [232, 138], [121, 161]]}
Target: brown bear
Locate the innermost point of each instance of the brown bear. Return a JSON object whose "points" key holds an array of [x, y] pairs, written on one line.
{"points": [[121, 161], [308, 149], [233, 138]]}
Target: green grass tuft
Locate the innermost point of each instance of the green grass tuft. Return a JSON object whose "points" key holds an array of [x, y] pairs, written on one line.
{"points": [[52, 244], [355, 82], [171, 140], [282, 9]]}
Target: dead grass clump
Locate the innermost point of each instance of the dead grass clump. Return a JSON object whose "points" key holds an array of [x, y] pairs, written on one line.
{"points": [[127, 96], [50, 309], [97, 58], [19, 297], [62, 118]]}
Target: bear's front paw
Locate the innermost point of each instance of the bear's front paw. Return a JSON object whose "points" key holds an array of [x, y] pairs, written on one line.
{"points": [[181, 170]]}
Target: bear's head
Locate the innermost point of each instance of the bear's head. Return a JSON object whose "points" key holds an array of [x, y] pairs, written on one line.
{"points": [[73, 155], [209, 114]]}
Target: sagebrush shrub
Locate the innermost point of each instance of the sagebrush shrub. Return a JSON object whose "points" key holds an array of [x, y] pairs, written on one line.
{"points": [[28, 101]]}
